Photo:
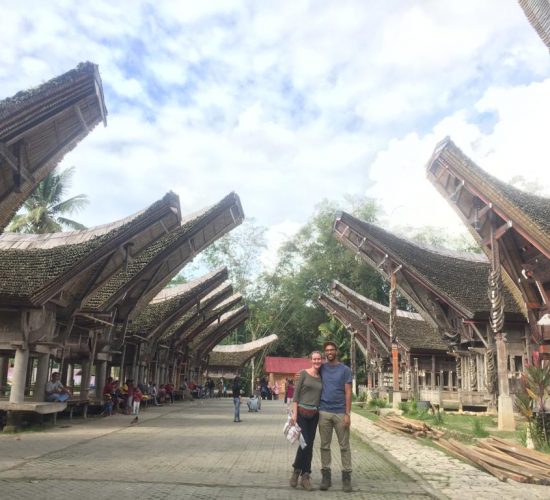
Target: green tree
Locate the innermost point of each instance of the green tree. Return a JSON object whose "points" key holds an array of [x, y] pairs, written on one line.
{"points": [[45, 209], [240, 250], [308, 264]]}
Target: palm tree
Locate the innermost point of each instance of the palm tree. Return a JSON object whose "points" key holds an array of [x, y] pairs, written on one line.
{"points": [[44, 208]]}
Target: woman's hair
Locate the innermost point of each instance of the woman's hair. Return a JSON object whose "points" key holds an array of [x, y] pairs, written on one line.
{"points": [[315, 352]]}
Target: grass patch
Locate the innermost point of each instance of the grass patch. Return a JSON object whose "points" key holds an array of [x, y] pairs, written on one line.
{"points": [[478, 429], [364, 412]]}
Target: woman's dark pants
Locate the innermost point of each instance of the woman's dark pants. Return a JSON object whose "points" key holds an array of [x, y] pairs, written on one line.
{"points": [[303, 456]]}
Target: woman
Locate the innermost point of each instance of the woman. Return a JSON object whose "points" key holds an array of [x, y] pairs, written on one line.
{"points": [[305, 412]]}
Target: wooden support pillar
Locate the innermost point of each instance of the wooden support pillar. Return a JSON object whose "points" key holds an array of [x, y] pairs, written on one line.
{"points": [[122, 361], [433, 373], [70, 374], [42, 372], [100, 378], [505, 404], [135, 364], [28, 377], [395, 366], [86, 371], [4, 366], [353, 365], [416, 384], [19, 375]]}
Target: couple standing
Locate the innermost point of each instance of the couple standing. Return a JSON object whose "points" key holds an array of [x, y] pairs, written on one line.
{"points": [[323, 397]]}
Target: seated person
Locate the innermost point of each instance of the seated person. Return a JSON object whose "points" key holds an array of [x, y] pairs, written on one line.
{"points": [[55, 392]]}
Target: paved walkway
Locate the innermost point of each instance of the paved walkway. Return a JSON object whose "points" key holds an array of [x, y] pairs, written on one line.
{"points": [[194, 450], [449, 476]]}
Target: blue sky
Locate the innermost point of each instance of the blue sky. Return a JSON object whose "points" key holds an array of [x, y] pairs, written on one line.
{"points": [[289, 102]]}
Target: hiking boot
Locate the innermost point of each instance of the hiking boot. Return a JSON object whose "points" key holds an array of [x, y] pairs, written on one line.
{"points": [[294, 478], [306, 482], [326, 481], [346, 481]]}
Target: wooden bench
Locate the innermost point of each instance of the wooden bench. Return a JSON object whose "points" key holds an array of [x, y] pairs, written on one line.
{"points": [[76, 404], [40, 407]]}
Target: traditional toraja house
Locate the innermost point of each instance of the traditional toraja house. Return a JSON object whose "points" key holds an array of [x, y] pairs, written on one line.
{"points": [[129, 291], [148, 273], [425, 367], [151, 324], [513, 229], [201, 346], [225, 361], [448, 290], [538, 13], [279, 370], [39, 126], [46, 278], [97, 334]]}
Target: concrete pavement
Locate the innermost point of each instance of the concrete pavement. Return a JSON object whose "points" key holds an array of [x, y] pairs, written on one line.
{"points": [[187, 450], [195, 450]]}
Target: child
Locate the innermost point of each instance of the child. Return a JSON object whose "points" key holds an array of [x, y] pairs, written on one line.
{"points": [[108, 405], [138, 396]]}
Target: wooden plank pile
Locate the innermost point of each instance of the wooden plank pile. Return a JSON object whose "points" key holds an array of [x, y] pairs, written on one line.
{"points": [[503, 459], [413, 428]]}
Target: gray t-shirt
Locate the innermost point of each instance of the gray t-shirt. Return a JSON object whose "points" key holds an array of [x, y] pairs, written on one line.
{"points": [[333, 396], [53, 387], [308, 390]]}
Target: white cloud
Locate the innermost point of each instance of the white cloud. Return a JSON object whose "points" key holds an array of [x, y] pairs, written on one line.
{"points": [[516, 146], [288, 103]]}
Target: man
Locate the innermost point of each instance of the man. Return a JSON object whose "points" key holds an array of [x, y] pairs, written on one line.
{"points": [[335, 414], [55, 392], [237, 398]]}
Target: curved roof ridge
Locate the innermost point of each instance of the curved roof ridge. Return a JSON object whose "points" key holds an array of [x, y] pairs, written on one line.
{"points": [[381, 307], [12, 104], [439, 250], [462, 282], [535, 207], [249, 346], [182, 288], [27, 241], [236, 297]]}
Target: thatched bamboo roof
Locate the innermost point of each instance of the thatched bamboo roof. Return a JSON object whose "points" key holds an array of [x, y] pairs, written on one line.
{"points": [[530, 213], [63, 268], [353, 323], [236, 355], [518, 221], [217, 331], [538, 13], [198, 314], [412, 330], [39, 126], [173, 303], [460, 280], [213, 315], [133, 288]]}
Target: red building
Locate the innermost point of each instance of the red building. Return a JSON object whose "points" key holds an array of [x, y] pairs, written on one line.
{"points": [[279, 370]]}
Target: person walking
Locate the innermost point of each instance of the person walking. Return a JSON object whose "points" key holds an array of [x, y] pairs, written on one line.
{"points": [[335, 414], [237, 398], [305, 412]]}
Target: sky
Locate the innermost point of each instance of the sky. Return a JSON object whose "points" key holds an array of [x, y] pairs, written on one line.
{"points": [[289, 102]]}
